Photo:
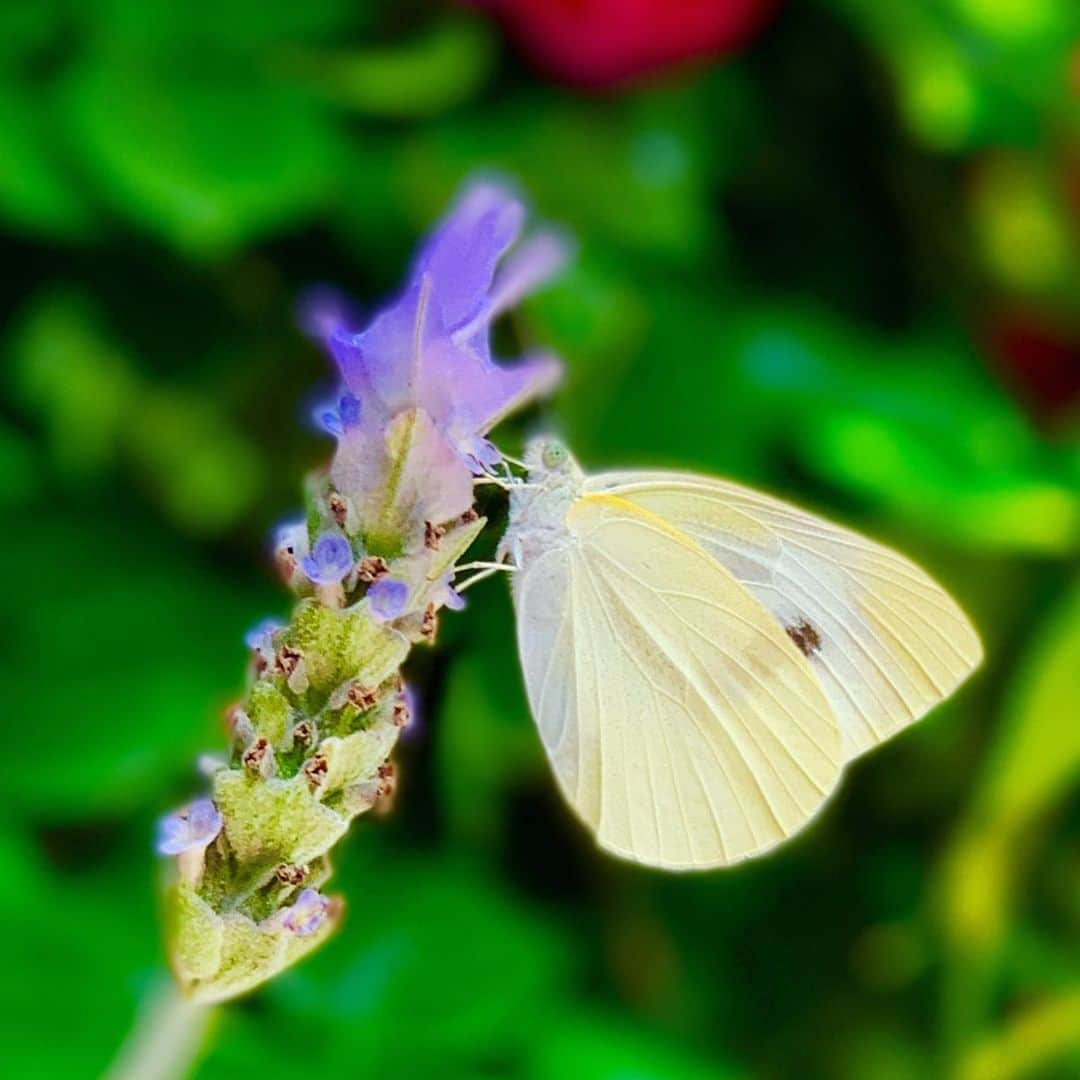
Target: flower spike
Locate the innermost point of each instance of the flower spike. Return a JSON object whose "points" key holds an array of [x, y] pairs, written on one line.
{"points": [[371, 563]]}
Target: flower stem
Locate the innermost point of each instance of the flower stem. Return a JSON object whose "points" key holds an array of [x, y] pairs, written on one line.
{"points": [[169, 1034]]}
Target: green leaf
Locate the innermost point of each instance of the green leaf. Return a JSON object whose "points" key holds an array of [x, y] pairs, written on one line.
{"points": [[483, 729], [428, 75], [234, 25], [209, 158], [37, 193], [204, 472], [83, 944], [121, 649], [66, 371], [27, 28], [1036, 756], [98, 412], [915, 427], [18, 468], [638, 165], [595, 1047]]}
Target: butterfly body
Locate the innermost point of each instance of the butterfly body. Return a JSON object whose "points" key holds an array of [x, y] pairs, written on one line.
{"points": [[702, 660]]}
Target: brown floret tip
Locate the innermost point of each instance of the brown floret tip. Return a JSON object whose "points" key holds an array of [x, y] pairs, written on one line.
{"points": [[287, 659], [370, 568], [255, 756], [316, 769], [291, 875], [362, 697], [433, 534], [339, 508]]}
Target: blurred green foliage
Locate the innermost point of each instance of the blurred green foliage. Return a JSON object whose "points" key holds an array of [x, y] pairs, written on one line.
{"points": [[793, 266]]}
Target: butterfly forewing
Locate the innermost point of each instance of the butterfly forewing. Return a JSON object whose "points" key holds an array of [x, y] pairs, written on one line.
{"points": [[886, 642], [684, 724]]}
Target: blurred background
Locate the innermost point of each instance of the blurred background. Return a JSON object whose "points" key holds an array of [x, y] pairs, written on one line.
{"points": [[829, 248]]}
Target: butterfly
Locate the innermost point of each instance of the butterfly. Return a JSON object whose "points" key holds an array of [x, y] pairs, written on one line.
{"points": [[702, 660]]}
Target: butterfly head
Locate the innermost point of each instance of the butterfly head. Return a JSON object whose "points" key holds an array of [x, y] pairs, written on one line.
{"points": [[546, 458]]}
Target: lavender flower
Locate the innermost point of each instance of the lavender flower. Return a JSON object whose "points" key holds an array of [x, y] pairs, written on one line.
{"points": [[430, 348], [426, 388], [310, 742], [190, 829], [387, 598], [443, 594], [307, 914], [330, 560]]}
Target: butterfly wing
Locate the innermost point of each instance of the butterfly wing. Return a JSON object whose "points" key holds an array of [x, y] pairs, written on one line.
{"points": [[684, 726], [887, 642]]}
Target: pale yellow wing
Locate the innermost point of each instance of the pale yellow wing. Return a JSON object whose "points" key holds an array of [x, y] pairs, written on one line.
{"points": [[684, 726], [887, 642]]}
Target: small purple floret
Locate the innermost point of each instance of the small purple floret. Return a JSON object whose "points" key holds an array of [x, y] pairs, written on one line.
{"points": [[337, 417], [330, 560], [414, 725], [258, 638], [307, 914], [290, 537], [387, 598], [190, 829], [445, 595]]}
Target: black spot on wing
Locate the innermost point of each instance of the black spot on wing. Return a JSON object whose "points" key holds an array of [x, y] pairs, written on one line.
{"points": [[806, 637]]}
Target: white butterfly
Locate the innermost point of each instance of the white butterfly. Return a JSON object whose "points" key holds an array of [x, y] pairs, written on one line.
{"points": [[702, 660]]}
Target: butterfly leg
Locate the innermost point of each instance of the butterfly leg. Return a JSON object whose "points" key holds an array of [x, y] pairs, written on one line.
{"points": [[484, 570]]}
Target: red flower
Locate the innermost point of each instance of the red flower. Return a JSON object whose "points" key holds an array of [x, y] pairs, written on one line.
{"points": [[1041, 362], [600, 42]]}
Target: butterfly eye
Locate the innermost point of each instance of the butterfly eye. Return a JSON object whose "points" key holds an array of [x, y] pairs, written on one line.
{"points": [[554, 455]]}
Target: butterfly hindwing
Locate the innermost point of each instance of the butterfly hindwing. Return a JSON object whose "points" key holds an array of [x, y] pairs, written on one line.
{"points": [[684, 725]]}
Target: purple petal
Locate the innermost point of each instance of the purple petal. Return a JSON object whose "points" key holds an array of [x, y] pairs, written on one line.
{"points": [[483, 400], [322, 310], [307, 914], [462, 254], [190, 829], [433, 482], [378, 366], [327, 419], [536, 259], [436, 483], [349, 410], [387, 598], [330, 560]]}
